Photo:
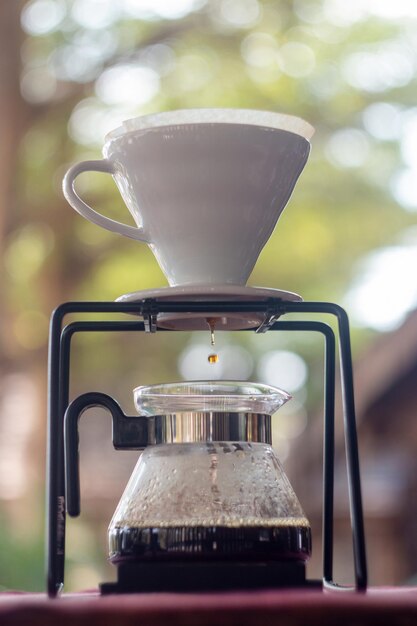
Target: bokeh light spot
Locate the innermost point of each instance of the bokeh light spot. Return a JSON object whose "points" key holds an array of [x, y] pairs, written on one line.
{"points": [[91, 120], [240, 13], [41, 17], [348, 147], [384, 291], [127, 84], [404, 188], [290, 421], [296, 59], [166, 9], [284, 369], [379, 68], [409, 139], [37, 85], [95, 13], [27, 249], [310, 11], [383, 120], [259, 50]]}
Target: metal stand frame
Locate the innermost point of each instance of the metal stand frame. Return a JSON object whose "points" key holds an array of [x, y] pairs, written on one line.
{"points": [[58, 401]]}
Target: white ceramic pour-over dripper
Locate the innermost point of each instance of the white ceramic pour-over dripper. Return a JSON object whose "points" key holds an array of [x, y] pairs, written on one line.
{"points": [[205, 187]]}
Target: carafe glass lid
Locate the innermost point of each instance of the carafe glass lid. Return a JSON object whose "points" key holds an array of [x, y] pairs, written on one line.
{"points": [[209, 396]]}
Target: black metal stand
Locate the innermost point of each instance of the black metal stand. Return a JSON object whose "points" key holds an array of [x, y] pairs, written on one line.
{"points": [[59, 373]]}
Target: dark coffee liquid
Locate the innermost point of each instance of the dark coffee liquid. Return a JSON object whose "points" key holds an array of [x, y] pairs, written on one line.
{"points": [[289, 543]]}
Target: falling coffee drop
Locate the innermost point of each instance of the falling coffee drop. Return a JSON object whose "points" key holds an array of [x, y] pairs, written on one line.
{"points": [[211, 321]]}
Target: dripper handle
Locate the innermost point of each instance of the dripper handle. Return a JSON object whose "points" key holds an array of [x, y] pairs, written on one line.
{"points": [[106, 166], [129, 433]]}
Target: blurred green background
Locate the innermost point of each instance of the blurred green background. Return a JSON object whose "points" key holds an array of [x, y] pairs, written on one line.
{"points": [[70, 72]]}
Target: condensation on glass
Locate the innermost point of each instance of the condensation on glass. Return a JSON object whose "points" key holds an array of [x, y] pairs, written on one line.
{"points": [[204, 497]]}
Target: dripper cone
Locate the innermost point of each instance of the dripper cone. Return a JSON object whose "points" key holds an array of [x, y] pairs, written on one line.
{"points": [[205, 187]]}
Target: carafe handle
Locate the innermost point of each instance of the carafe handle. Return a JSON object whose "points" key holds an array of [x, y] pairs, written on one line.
{"points": [[103, 165], [129, 433]]}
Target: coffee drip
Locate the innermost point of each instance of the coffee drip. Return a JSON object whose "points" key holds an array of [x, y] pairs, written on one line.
{"points": [[212, 358], [211, 321]]}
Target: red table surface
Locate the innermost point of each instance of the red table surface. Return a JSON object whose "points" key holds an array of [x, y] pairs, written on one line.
{"points": [[393, 606]]}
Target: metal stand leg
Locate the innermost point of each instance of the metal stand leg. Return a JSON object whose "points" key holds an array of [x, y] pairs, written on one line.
{"points": [[352, 452], [58, 392]]}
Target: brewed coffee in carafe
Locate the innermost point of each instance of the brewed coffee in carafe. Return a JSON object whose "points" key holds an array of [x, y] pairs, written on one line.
{"points": [[216, 489]]}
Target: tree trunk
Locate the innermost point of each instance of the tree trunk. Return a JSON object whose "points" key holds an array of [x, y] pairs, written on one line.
{"points": [[13, 113], [13, 109]]}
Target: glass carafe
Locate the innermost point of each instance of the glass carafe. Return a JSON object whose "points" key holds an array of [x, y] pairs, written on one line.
{"points": [[212, 487]]}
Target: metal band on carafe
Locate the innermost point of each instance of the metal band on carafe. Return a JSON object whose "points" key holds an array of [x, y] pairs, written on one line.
{"points": [[196, 426]]}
